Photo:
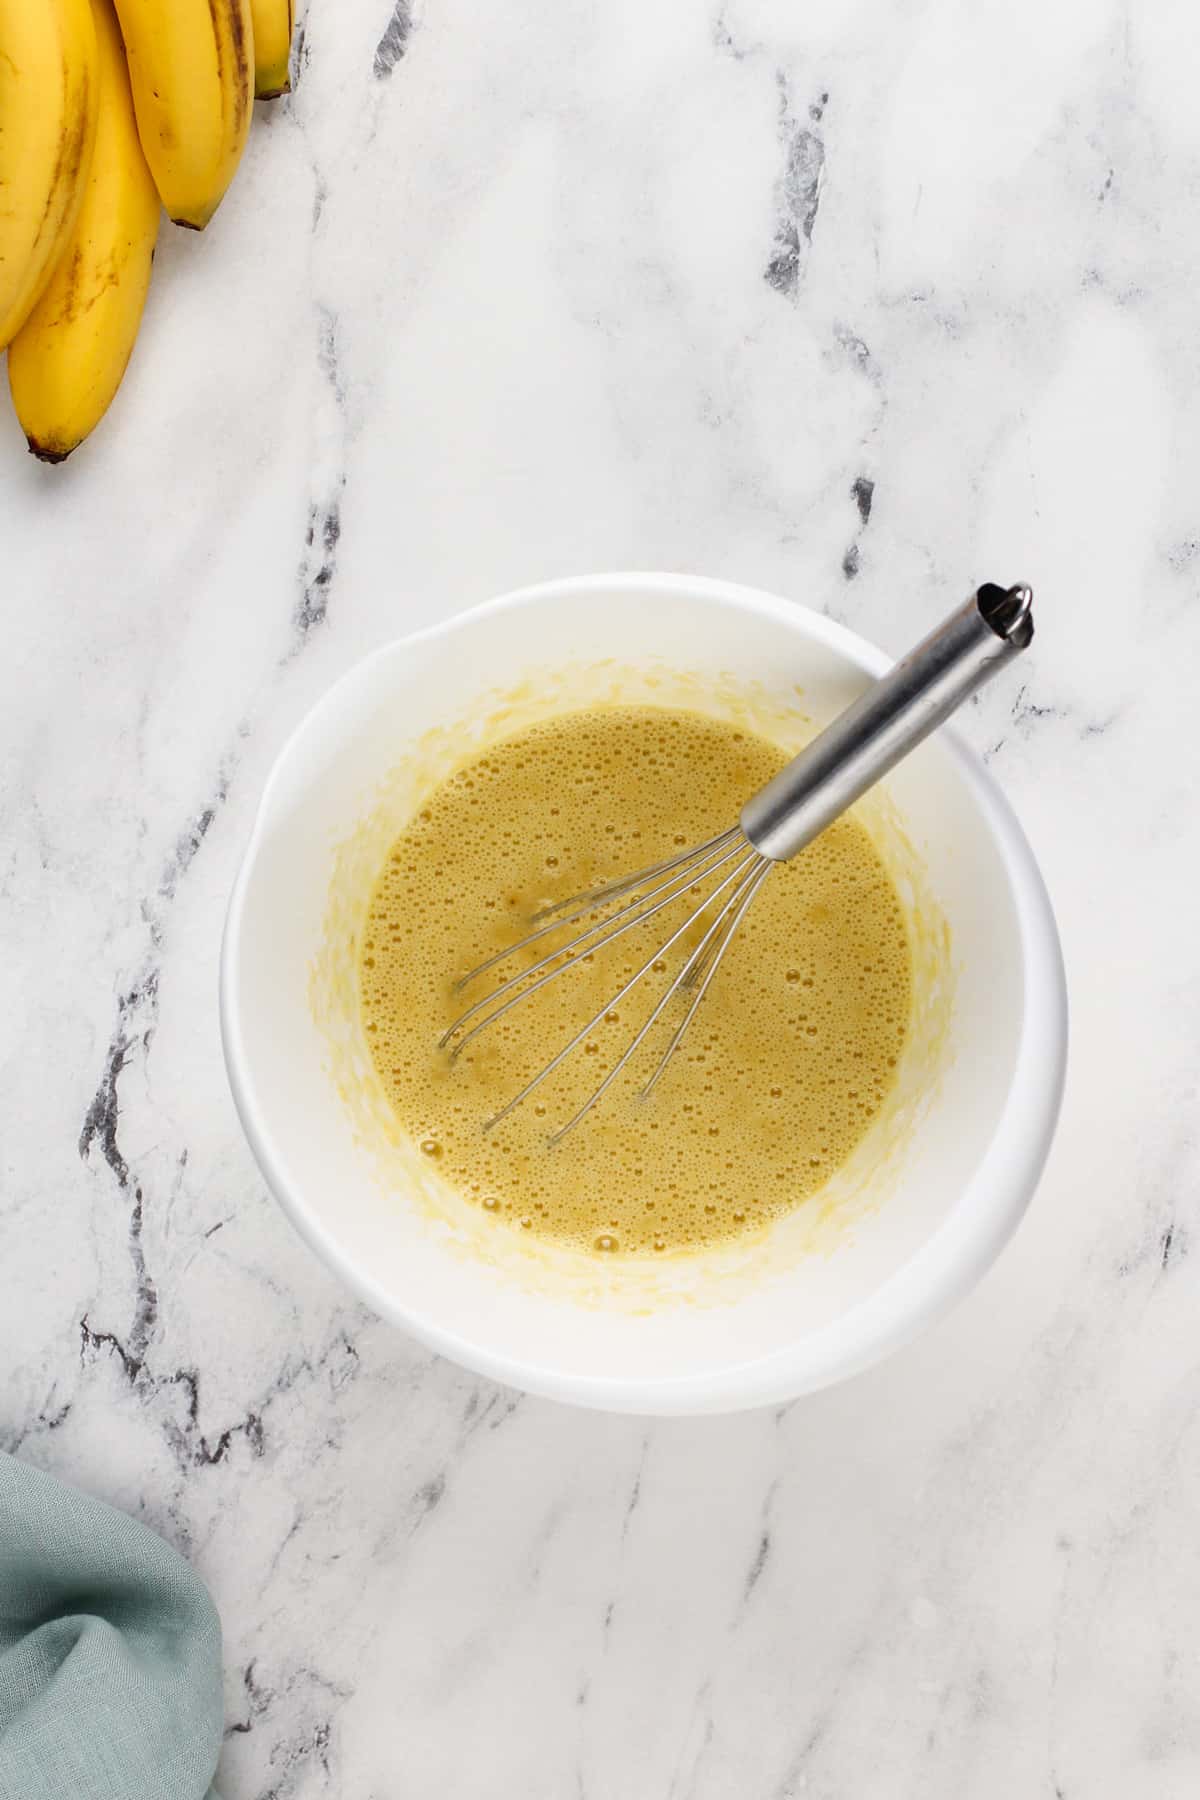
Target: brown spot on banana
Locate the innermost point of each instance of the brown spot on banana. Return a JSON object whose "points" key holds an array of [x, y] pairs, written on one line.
{"points": [[237, 32], [45, 454], [70, 308], [214, 13], [68, 165], [229, 29], [76, 303], [242, 69]]}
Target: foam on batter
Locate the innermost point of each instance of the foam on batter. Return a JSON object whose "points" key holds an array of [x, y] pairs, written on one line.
{"points": [[784, 1067]]}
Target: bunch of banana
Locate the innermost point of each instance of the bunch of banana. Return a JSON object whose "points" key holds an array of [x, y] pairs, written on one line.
{"points": [[103, 115]]}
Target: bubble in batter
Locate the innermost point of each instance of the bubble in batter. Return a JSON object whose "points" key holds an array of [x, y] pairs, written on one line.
{"points": [[785, 1065]]}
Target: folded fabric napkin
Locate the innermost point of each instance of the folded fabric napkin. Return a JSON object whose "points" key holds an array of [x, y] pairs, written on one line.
{"points": [[110, 1653]]}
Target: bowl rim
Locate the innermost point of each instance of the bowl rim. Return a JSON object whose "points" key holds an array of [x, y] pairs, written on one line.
{"points": [[943, 1268]]}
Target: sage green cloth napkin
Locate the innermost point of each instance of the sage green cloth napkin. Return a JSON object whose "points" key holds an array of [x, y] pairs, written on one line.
{"points": [[110, 1653]]}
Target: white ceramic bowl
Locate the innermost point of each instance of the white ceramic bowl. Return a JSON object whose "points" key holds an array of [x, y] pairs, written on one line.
{"points": [[941, 1203]]}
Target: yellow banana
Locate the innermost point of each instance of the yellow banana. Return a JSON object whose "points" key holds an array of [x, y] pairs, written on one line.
{"points": [[272, 47], [47, 125], [66, 362], [190, 64]]}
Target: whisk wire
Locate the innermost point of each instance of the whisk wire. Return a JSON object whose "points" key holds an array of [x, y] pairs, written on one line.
{"points": [[610, 890], [612, 928], [737, 902], [710, 965], [751, 856], [582, 904]]}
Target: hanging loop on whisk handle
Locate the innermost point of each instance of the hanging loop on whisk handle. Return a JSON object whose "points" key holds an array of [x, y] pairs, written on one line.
{"points": [[889, 720]]}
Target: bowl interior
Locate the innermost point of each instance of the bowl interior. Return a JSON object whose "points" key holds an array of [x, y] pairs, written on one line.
{"points": [[929, 1208]]}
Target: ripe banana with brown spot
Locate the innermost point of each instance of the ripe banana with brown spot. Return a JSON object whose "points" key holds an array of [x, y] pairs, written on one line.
{"points": [[66, 362], [272, 47], [47, 127], [191, 69]]}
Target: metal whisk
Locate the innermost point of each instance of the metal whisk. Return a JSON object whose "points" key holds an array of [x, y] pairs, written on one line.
{"points": [[816, 787]]}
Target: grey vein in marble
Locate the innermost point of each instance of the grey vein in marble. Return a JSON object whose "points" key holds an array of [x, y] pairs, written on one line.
{"points": [[799, 190], [318, 564], [394, 42]]}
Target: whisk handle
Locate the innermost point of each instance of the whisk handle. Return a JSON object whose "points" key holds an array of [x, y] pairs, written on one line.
{"points": [[888, 720]]}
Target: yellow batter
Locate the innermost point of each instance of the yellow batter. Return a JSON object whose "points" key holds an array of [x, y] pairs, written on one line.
{"points": [[784, 1066]]}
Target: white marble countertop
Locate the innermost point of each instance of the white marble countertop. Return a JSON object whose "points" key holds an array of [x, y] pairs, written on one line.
{"points": [[859, 301]]}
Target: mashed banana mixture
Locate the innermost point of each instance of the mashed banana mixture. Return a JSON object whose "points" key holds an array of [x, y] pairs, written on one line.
{"points": [[784, 1067]]}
